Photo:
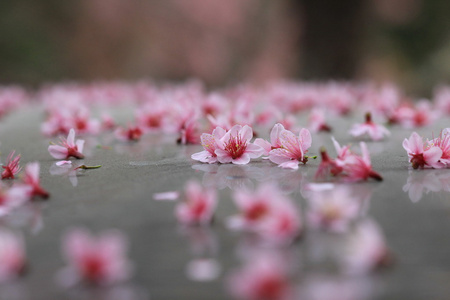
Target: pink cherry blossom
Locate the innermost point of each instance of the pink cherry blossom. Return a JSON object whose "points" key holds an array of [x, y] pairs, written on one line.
{"points": [[443, 142], [327, 167], [198, 206], [254, 206], [317, 122], [421, 155], [293, 149], [31, 179], [92, 260], [208, 142], [131, 133], [333, 209], [365, 250], [12, 166], [262, 278], [358, 168], [12, 256], [67, 147], [274, 143], [188, 132], [235, 146], [375, 131]]}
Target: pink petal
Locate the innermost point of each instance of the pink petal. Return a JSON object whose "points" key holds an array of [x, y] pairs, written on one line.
{"points": [[63, 162], [170, 196], [254, 151], [292, 164], [204, 156], [263, 144], [432, 156], [80, 145], [305, 137], [57, 151], [32, 170], [279, 156], [246, 133], [243, 160], [223, 156], [275, 133], [71, 138]]}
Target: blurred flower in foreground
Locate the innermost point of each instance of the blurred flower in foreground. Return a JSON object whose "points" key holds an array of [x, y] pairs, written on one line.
{"points": [[262, 278], [31, 179], [12, 256], [67, 147], [198, 206], [11, 168], [96, 261], [12, 197]]}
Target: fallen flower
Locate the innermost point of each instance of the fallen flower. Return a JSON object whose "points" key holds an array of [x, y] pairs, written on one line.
{"points": [[208, 142], [12, 166], [97, 261], [235, 146], [67, 147], [274, 139], [198, 206], [131, 133], [293, 149], [375, 131], [421, 155], [358, 168], [12, 256], [32, 179]]}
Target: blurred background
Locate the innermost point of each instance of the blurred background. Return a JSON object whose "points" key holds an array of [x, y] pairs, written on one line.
{"points": [[225, 42]]}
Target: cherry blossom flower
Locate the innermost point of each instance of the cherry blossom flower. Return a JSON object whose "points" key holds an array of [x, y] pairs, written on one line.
{"points": [[31, 179], [358, 168], [254, 206], [12, 256], [293, 149], [235, 146], [333, 209], [12, 166], [327, 166], [375, 131], [421, 155], [12, 197], [263, 277], [198, 206], [67, 147], [131, 133], [208, 142], [365, 250], [188, 132], [274, 139], [98, 261], [317, 121], [443, 142]]}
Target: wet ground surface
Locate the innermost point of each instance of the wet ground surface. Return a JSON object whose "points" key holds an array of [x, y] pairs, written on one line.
{"points": [[414, 218]]}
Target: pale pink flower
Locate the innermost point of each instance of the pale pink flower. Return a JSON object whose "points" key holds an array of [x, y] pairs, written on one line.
{"points": [[131, 133], [262, 278], [342, 152], [12, 166], [107, 122], [421, 155], [293, 149], [375, 131], [188, 132], [31, 179], [357, 168], [67, 147], [235, 146], [97, 261], [12, 256], [443, 142], [333, 210], [254, 206], [365, 250], [274, 139], [198, 206], [208, 142], [12, 197], [317, 122]]}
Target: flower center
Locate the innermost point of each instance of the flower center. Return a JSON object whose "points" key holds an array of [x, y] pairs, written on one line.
{"points": [[236, 146], [256, 211], [418, 161]]}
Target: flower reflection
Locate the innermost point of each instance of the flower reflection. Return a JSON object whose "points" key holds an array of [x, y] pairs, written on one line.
{"points": [[426, 181], [203, 246], [66, 169], [28, 215]]}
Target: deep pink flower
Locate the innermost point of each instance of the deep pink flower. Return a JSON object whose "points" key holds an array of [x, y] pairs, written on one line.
{"points": [[93, 260], [208, 142], [375, 131], [131, 133], [328, 166], [12, 166], [357, 168], [198, 206], [12, 256], [235, 146], [421, 155], [67, 147], [293, 149], [274, 143], [31, 179]]}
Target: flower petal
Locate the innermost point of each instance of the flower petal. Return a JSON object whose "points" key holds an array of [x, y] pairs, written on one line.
{"points": [[57, 151]]}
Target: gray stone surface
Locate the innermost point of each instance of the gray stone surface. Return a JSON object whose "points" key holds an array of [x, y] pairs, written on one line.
{"points": [[119, 195]]}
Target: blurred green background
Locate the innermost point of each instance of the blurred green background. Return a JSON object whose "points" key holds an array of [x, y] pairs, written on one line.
{"points": [[221, 42]]}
